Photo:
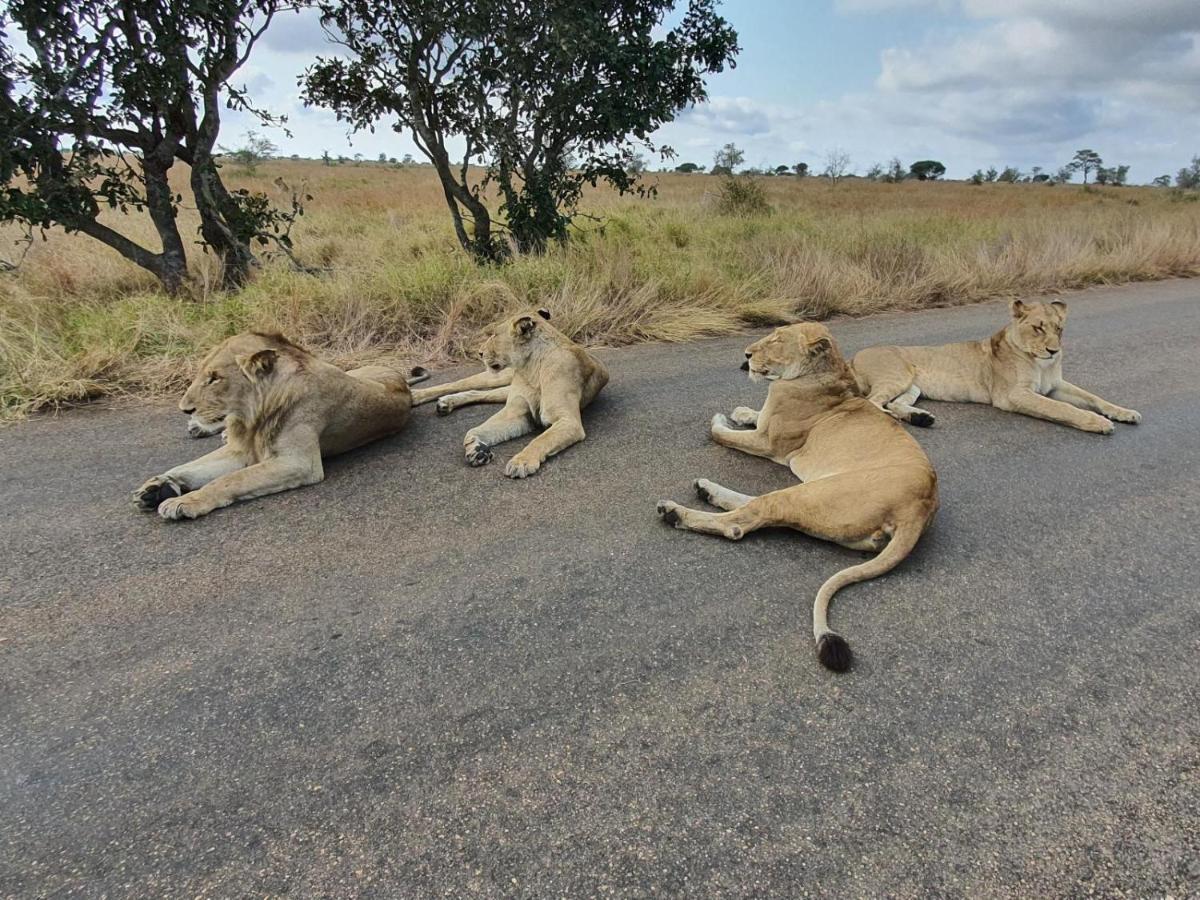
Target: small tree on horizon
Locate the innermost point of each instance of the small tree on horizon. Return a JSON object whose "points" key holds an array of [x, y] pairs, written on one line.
{"points": [[687, 168], [927, 170], [1189, 176], [1085, 161], [728, 158], [801, 169], [837, 164]]}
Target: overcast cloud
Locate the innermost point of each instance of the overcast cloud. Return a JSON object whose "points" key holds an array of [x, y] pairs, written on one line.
{"points": [[979, 83]]}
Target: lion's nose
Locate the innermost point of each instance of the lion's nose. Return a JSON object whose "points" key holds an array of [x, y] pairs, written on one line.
{"points": [[748, 354], [187, 410], [1053, 351]]}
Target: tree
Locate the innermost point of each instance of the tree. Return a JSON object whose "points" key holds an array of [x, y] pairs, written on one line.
{"points": [[782, 170], [895, 171], [1063, 175], [837, 164], [636, 165], [801, 170], [927, 170], [1010, 175], [524, 87], [978, 177], [326, 158], [874, 172], [1189, 176], [110, 95], [728, 158], [991, 174], [1162, 181], [1085, 161], [687, 168], [255, 150]]}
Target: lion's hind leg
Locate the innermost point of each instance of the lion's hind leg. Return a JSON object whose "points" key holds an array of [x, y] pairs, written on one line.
{"points": [[721, 497], [451, 402], [901, 407], [481, 381]]}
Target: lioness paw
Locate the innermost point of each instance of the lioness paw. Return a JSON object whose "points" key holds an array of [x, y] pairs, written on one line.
{"points": [[1128, 416], [443, 407], [1100, 425], [744, 416], [478, 454], [669, 512], [155, 491], [521, 468], [721, 422], [185, 507]]}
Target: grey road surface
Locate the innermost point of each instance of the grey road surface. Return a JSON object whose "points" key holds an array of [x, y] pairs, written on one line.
{"points": [[419, 679]]}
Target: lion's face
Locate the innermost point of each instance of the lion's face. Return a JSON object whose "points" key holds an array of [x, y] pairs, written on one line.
{"points": [[792, 351], [1037, 328], [508, 343], [226, 382]]}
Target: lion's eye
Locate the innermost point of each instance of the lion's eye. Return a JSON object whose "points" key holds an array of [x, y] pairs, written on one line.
{"points": [[1039, 329], [213, 377]]}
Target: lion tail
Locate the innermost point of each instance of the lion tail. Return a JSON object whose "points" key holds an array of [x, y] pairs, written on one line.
{"points": [[832, 649], [417, 375]]}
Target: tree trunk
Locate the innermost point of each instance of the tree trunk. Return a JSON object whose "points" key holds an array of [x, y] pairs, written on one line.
{"points": [[169, 269]]}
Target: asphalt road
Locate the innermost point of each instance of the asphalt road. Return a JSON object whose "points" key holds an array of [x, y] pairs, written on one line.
{"points": [[419, 679]]}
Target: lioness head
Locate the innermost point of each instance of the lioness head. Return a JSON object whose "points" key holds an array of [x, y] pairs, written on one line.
{"points": [[792, 351], [1037, 328], [509, 342], [231, 378]]}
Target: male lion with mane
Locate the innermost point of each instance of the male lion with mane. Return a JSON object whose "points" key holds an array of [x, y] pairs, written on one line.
{"points": [[283, 409], [865, 483], [542, 377], [1019, 368]]}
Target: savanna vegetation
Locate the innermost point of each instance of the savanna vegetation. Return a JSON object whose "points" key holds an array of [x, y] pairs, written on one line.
{"points": [[384, 275]]}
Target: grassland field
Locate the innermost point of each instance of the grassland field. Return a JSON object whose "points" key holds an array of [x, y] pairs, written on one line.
{"points": [[77, 322]]}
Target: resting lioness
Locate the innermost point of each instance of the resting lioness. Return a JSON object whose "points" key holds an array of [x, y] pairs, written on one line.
{"points": [[541, 376], [283, 410], [865, 483], [1019, 369]]}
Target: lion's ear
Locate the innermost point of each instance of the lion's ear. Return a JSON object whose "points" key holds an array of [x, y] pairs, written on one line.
{"points": [[820, 346], [544, 313], [524, 326], [1060, 308], [258, 365], [1018, 309]]}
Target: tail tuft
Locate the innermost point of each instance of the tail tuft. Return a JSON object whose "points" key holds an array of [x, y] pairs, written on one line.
{"points": [[418, 374], [833, 652], [921, 419]]}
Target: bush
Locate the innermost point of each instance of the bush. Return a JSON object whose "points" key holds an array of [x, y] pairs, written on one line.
{"points": [[742, 197]]}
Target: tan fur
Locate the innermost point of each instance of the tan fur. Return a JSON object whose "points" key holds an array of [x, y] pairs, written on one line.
{"points": [[283, 409], [1018, 369], [542, 377], [865, 483]]}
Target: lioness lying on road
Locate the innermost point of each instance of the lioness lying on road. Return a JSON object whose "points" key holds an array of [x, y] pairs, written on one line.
{"points": [[541, 376], [283, 410], [1019, 369], [865, 483]]}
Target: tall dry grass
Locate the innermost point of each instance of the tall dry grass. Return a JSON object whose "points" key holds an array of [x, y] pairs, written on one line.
{"points": [[78, 322]]}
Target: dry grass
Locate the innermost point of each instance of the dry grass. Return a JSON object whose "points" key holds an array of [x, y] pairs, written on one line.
{"points": [[78, 322]]}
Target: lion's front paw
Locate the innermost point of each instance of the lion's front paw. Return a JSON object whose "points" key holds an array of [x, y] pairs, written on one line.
{"points": [[443, 407], [1099, 425], [1128, 416], [155, 491], [521, 466], [721, 422], [478, 454], [189, 506], [744, 416], [669, 512]]}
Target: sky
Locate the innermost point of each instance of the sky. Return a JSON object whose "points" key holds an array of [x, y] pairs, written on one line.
{"points": [[972, 83]]}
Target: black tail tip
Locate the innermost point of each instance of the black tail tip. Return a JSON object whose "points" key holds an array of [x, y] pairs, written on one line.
{"points": [[418, 372], [833, 652], [921, 419]]}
